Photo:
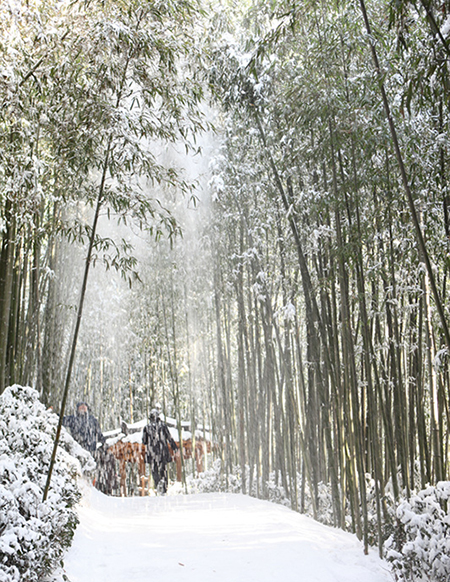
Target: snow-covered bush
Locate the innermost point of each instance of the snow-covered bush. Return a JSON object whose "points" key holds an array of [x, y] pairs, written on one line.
{"points": [[419, 548], [275, 491], [387, 508], [324, 501], [33, 534], [235, 480], [214, 480], [210, 481]]}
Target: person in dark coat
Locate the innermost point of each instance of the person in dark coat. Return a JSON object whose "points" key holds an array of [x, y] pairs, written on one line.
{"points": [[156, 438], [106, 480], [84, 428]]}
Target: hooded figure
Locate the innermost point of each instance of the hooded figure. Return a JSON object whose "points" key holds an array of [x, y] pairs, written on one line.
{"points": [[84, 428], [156, 438]]}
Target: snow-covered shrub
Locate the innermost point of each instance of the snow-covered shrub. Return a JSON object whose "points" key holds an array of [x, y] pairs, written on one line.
{"points": [[325, 511], [235, 480], [214, 480], [419, 548], [33, 534], [210, 481], [276, 492], [387, 508], [324, 501]]}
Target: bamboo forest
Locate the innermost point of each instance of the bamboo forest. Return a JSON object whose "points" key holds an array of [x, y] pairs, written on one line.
{"points": [[238, 211]]}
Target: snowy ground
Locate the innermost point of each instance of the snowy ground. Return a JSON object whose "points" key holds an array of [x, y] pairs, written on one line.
{"points": [[210, 537]]}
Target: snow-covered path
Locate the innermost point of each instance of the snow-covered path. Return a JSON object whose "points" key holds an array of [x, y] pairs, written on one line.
{"points": [[210, 537]]}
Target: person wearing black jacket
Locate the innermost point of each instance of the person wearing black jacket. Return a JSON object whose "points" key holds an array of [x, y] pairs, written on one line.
{"points": [[156, 438], [84, 428]]}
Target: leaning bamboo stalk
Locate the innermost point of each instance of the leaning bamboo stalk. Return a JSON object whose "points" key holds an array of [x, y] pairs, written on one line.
{"points": [[78, 318]]}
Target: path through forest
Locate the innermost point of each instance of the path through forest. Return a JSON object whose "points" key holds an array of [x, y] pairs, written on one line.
{"points": [[210, 537]]}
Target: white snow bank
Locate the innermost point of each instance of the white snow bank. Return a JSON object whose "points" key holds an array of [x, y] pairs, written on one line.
{"points": [[219, 537]]}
